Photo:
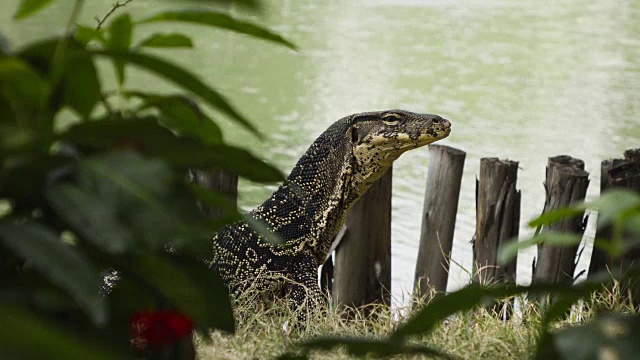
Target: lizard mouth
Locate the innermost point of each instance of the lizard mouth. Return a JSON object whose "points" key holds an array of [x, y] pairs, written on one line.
{"points": [[433, 134]]}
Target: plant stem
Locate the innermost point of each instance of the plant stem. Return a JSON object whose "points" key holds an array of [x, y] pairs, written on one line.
{"points": [[114, 7], [61, 49], [58, 64]]}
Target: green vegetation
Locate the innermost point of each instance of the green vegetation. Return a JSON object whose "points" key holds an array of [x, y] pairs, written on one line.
{"points": [[614, 289], [106, 189], [471, 334]]}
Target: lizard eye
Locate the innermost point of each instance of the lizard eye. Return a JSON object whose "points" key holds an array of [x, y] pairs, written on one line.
{"points": [[391, 119]]}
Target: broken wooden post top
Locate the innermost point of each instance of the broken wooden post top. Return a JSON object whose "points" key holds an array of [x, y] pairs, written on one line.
{"points": [[570, 170], [449, 149], [624, 172], [494, 168], [565, 160], [495, 160], [632, 155]]}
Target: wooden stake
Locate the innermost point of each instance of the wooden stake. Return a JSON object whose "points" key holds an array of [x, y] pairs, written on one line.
{"points": [[566, 185], [497, 219], [616, 173], [221, 181], [362, 271], [438, 220], [619, 173]]}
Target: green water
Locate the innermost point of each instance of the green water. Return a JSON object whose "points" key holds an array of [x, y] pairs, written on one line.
{"points": [[523, 80]]}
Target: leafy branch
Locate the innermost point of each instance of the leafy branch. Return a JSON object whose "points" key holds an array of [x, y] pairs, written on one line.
{"points": [[114, 7]]}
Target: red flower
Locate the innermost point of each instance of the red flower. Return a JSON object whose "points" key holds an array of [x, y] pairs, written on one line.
{"points": [[158, 329]]}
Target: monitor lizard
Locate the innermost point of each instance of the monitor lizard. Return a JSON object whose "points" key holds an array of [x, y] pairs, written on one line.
{"points": [[310, 207]]}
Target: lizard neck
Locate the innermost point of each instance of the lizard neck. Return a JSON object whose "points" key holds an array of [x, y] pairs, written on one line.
{"points": [[309, 209]]}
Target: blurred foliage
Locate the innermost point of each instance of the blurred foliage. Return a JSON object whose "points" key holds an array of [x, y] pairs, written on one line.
{"points": [[109, 190], [611, 336]]}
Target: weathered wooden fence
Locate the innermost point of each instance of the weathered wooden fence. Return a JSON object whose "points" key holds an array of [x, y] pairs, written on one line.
{"points": [[362, 271]]}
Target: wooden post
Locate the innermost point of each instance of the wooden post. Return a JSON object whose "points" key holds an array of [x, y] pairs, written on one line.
{"points": [[497, 219], [362, 272], [616, 173], [566, 184], [438, 220], [599, 257], [619, 173], [220, 181]]}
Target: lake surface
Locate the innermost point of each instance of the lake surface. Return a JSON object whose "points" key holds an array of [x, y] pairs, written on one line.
{"points": [[523, 80]]}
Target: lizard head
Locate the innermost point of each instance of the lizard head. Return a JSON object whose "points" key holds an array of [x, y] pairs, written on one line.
{"points": [[379, 138]]}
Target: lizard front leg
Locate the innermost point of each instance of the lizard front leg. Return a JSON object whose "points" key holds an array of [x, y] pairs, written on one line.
{"points": [[302, 287]]}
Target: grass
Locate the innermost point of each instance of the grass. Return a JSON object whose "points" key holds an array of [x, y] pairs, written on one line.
{"points": [[477, 334]]}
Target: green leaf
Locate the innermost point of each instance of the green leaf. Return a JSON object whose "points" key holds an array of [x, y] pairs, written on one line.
{"points": [[21, 85], [183, 115], [612, 336], [292, 356], [119, 39], [15, 139], [229, 211], [146, 197], [91, 218], [193, 288], [42, 248], [554, 216], [614, 203], [360, 347], [473, 295], [262, 229], [611, 204], [157, 141], [219, 20], [30, 7], [632, 224], [7, 115], [128, 296], [254, 5], [4, 45], [85, 34], [509, 251], [166, 40], [22, 177], [180, 77], [144, 134], [232, 158], [26, 335], [612, 248], [559, 307], [79, 87], [232, 214]]}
